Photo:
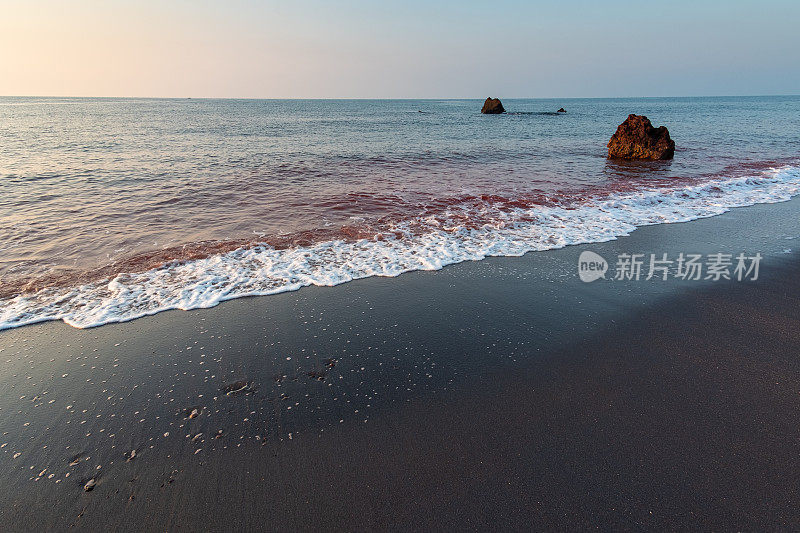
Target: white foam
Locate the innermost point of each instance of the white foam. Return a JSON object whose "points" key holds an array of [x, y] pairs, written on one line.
{"points": [[426, 245]]}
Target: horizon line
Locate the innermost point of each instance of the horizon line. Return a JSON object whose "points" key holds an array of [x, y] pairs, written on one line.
{"points": [[322, 98]]}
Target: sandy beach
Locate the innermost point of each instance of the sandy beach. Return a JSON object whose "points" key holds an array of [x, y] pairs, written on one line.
{"points": [[503, 394]]}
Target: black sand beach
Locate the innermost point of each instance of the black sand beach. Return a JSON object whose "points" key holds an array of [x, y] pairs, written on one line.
{"points": [[502, 394]]}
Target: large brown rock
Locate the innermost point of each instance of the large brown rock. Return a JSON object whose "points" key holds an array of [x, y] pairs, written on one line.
{"points": [[636, 138], [492, 106]]}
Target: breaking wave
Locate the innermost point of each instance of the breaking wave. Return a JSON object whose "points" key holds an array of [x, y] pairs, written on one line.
{"points": [[466, 231]]}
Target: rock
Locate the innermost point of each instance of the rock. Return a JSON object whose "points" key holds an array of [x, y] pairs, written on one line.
{"points": [[636, 138], [561, 110], [89, 485], [492, 106]]}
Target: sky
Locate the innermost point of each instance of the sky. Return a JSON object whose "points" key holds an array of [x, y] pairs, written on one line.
{"points": [[398, 49]]}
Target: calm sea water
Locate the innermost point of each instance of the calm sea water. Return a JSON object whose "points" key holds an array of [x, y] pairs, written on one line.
{"points": [[114, 208]]}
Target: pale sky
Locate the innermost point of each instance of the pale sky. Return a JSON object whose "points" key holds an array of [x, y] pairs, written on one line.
{"points": [[403, 49]]}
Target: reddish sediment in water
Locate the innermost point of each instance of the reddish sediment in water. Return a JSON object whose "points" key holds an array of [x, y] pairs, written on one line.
{"points": [[449, 213]]}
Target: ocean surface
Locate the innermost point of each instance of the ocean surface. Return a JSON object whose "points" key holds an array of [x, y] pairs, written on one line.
{"points": [[111, 209]]}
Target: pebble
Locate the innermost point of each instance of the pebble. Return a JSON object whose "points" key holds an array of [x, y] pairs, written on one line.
{"points": [[237, 386]]}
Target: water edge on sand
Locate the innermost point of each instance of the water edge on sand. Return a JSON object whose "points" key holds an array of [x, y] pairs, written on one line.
{"points": [[504, 393]]}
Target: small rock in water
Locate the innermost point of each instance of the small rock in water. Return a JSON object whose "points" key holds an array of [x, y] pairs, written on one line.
{"points": [[89, 485], [492, 106], [562, 110], [636, 138]]}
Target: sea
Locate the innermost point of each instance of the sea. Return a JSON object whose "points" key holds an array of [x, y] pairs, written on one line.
{"points": [[116, 208]]}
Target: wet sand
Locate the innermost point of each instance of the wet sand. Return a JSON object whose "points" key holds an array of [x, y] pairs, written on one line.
{"points": [[499, 394]]}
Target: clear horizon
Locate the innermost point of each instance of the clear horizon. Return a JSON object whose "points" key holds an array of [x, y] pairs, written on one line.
{"points": [[399, 98], [412, 50]]}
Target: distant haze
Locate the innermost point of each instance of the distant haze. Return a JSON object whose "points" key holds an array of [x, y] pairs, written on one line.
{"points": [[408, 49]]}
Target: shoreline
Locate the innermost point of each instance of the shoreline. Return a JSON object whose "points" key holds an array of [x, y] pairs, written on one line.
{"points": [[500, 393], [203, 275]]}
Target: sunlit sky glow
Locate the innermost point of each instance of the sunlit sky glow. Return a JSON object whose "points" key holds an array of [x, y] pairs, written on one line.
{"points": [[408, 49]]}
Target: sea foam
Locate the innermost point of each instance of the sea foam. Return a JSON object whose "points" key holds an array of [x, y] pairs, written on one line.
{"points": [[423, 244]]}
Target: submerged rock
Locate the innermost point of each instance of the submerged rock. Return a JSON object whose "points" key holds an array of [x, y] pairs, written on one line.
{"points": [[492, 106], [636, 138]]}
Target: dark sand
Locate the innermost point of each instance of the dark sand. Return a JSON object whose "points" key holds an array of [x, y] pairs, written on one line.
{"points": [[499, 394]]}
